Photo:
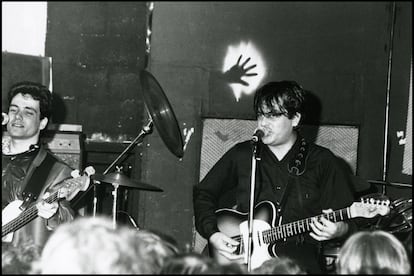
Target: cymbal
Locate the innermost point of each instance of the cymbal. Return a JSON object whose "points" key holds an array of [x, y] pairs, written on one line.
{"points": [[161, 113], [122, 180]]}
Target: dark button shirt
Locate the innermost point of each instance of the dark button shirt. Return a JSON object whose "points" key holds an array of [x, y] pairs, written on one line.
{"points": [[322, 185]]}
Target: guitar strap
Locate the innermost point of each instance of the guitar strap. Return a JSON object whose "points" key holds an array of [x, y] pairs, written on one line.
{"points": [[36, 176], [296, 167]]}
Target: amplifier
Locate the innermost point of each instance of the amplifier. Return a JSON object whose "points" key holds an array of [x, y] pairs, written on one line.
{"points": [[66, 142]]}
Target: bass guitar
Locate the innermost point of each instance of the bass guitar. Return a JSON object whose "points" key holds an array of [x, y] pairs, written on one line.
{"points": [[235, 225], [13, 218]]}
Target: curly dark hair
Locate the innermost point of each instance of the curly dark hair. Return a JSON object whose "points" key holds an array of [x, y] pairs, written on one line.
{"points": [[38, 92]]}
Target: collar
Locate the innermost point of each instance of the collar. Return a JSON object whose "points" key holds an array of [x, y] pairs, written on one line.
{"points": [[5, 147]]}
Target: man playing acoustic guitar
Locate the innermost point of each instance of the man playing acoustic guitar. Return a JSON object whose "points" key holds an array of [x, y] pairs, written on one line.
{"points": [[30, 172], [298, 177]]}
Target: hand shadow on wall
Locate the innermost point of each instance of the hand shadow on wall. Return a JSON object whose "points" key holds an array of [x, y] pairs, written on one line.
{"points": [[237, 71], [221, 101]]}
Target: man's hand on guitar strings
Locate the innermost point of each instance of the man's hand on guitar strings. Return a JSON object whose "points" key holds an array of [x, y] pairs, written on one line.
{"points": [[325, 229], [226, 246], [46, 210]]}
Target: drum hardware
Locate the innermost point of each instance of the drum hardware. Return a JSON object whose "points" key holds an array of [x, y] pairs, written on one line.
{"points": [[162, 116], [119, 179], [399, 221], [400, 218], [130, 218], [393, 184]]}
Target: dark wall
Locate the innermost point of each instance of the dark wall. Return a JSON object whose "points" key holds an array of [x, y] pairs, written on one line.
{"points": [[17, 67], [98, 51]]}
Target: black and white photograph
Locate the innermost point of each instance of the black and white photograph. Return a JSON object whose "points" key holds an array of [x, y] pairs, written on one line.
{"points": [[207, 137]]}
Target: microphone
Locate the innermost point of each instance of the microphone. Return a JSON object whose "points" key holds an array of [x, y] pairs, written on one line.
{"points": [[258, 135], [4, 118]]}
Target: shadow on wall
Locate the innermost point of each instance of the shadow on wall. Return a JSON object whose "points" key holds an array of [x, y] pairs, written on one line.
{"points": [[312, 115], [59, 109]]}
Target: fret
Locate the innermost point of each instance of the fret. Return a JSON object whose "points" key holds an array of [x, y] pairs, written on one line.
{"points": [[273, 237], [333, 217], [280, 232], [305, 226], [300, 226], [308, 221], [290, 231], [268, 235]]}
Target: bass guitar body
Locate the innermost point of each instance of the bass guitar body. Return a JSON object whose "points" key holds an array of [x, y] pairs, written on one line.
{"points": [[10, 212]]}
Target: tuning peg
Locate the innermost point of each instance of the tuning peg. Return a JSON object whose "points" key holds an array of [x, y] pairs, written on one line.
{"points": [[89, 170], [75, 173]]}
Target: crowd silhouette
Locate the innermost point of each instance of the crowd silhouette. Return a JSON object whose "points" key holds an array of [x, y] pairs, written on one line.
{"points": [[91, 245]]}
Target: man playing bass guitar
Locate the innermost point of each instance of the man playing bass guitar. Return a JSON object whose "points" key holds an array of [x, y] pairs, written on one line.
{"points": [[28, 169]]}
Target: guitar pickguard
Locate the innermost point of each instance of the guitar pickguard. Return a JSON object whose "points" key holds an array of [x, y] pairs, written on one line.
{"points": [[10, 212]]}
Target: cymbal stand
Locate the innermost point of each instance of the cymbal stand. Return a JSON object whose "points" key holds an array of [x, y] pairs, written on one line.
{"points": [[115, 196], [147, 129]]}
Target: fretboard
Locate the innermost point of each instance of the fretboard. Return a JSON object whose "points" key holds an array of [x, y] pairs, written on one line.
{"points": [[25, 217], [301, 226]]}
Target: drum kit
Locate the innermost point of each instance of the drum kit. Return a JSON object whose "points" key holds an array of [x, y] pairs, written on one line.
{"points": [[400, 220], [397, 222], [162, 116]]}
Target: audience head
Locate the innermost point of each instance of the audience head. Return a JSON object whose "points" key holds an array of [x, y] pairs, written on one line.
{"points": [[373, 252], [90, 245], [154, 249], [282, 265], [18, 259], [187, 263], [225, 269]]}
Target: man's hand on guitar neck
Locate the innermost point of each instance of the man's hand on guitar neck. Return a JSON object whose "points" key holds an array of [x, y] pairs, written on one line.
{"points": [[46, 210], [225, 245], [325, 229]]}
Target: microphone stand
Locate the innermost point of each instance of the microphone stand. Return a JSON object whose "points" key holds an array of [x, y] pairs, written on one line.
{"points": [[145, 130], [255, 158]]}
